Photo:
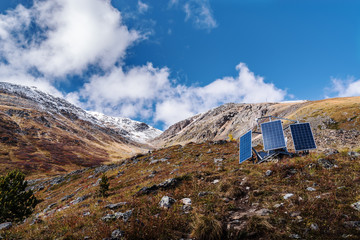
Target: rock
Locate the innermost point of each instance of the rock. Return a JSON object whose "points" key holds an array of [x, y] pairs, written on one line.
{"points": [[115, 205], [49, 207], [66, 197], [166, 202], [218, 160], [356, 205], [325, 163], [310, 189], [331, 151], [216, 181], [202, 194], [294, 236], [169, 183], [125, 216], [295, 214], [186, 208], [352, 224], [80, 199], [186, 201], [5, 226], [86, 214], [263, 212], [147, 190], [104, 168], [108, 217], [354, 154], [314, 227], [268, 173], [278, 205], [117, 234], [288, 195]]}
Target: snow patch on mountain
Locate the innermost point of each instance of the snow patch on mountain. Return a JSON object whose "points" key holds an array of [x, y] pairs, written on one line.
{"points": [[136, 131]]}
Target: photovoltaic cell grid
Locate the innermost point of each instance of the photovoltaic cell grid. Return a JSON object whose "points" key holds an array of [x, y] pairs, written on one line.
{"points": [[245, 147], [273, 135], [302, 136]]}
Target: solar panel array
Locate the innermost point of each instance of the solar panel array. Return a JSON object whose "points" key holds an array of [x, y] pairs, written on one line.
{"points": [[245, 147], [273, 135], [302, 136]]}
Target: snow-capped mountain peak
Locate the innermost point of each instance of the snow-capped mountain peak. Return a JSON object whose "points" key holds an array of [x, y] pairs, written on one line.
{"points": [[136, 131]]}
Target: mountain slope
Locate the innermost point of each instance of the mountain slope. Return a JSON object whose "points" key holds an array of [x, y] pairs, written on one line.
{"points": [[214, 197], [335, 122], [44, 134]]}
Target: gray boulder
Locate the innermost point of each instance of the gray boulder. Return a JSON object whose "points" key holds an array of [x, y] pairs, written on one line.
{"points": [[117, 234], [325, 163], [5, 226], [166, 202], [356, 205], [354, 154], [115, 205]]}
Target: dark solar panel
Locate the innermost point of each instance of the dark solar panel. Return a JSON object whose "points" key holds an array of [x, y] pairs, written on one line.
{"points": [[302, 136], [245, 147], [273, 135]]}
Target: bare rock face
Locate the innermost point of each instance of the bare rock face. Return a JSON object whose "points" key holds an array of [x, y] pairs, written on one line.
{"points": [[334, 122]]}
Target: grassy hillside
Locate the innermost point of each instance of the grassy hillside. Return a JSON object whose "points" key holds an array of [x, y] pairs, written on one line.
{"points": [[228, 200]]}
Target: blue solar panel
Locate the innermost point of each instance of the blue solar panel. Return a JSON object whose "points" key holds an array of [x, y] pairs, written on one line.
{"points": [[245, 147], [273, 135], [302, 136]]}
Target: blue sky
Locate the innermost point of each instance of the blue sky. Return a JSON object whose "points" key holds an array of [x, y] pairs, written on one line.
{"points": [[163, 61]]}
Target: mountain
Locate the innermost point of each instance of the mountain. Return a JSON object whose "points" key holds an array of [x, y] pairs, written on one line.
{"points": [[335, 122], [136, 131], [44, 134]]}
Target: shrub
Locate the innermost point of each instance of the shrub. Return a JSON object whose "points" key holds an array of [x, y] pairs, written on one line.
{"points": [[15, 202], [104, 186]]}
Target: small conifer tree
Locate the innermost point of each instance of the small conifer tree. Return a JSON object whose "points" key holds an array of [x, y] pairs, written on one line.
{"points": [[104, 185], [15, 202]]}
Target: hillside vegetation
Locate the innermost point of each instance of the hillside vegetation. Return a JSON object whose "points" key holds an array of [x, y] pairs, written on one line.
{"points": [[211, 196]]}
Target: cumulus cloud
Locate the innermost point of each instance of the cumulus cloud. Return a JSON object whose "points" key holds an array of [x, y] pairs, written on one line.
{"points": [[130, 93], [147, 92], [246, 87], [199, 12], [344, 88], [57, 38]]}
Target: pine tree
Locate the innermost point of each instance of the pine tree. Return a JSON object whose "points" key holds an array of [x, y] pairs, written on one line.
{"points": [[104, 185], [15, 202]]}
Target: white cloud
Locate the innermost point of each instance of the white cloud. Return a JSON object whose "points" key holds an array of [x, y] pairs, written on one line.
{"points": [[199, 12], [147, 92], [129, 93], [142, 7], [68, 37], [246, 87], [344, 88]]}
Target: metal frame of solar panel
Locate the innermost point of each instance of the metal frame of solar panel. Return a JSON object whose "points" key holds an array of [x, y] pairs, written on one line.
{"points": [[245, 147], [273, 135], [302, 136]]}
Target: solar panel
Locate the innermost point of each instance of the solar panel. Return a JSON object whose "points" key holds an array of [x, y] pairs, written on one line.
{"points": [[302, 136], [273, 135], [245, 147]]}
